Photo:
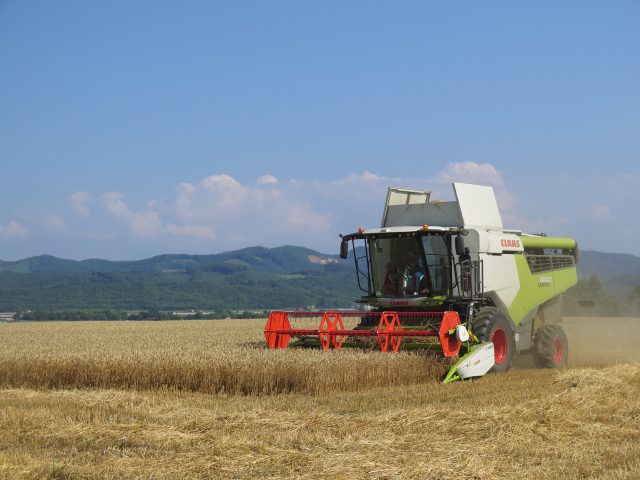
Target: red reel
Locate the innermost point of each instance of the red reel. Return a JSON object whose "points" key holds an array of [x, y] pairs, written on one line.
{"points": [[331, 322], [277, 321], [449, 342], [389, 323]]}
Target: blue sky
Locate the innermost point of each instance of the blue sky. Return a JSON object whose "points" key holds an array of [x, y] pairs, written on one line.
{"points": [[130, 129]]}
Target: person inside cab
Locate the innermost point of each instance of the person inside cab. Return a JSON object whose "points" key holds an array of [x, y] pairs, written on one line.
{"points": [[407, 277]]}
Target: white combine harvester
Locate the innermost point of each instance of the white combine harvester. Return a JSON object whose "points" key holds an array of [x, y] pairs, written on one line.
{"points": [[450, 270]]}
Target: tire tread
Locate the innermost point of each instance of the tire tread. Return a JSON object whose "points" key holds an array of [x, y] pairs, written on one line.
{"points": [[544, 345], [482, 325]]}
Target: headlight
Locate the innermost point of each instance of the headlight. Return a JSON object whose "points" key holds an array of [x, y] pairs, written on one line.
{"points": [[462, 333]]}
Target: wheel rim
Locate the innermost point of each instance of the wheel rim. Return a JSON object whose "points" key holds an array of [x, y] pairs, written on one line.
{"points": [[558, 351], [499, 340]]}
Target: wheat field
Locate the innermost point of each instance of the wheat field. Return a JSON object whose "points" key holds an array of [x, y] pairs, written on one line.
{"points": [[182, 400], [225, 356]]}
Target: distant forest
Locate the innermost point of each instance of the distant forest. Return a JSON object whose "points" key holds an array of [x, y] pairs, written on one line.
{"points": [[247, 280], [590, 297], [246, 283]]}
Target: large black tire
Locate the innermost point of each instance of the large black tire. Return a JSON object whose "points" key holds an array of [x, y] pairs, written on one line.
{"points": [[491, 325], [551, 347]]}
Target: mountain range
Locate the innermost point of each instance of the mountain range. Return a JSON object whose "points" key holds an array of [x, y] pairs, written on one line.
{"points": [[254, 277], [250, 278]]}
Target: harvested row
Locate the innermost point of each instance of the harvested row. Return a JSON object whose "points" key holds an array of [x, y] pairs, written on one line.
{"points": [[537, 424], [212, 357]]}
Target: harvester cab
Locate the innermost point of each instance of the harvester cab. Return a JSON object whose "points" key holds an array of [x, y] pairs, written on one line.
{"points": [[451, 272]]}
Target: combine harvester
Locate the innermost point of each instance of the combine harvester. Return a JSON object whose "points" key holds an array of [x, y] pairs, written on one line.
{"points": [[448, 275]]}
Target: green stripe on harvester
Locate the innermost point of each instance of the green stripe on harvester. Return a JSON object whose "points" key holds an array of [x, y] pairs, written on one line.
{"points": [[547, 242], [535, 289]]}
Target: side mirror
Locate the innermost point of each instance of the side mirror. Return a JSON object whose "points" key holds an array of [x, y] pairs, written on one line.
{"points": [[344, 249], [460, 248]]}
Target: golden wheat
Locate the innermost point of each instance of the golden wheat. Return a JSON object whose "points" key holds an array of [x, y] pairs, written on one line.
{"points": [[520, 425], [206, 356], [158, 418]]}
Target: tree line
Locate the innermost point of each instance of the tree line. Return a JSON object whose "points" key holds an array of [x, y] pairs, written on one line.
{"points": [[260, 294], [589, 297], [91, 314]]}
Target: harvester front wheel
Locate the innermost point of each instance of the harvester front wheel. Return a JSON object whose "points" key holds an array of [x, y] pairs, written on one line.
{"points": [[491, 325], [551, 346]]}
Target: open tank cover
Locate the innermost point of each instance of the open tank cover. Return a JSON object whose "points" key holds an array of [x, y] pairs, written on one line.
{"points": [[475, 207]]}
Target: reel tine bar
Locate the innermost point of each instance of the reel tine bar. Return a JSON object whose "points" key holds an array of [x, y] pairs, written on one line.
{"points": [[331, 331]]}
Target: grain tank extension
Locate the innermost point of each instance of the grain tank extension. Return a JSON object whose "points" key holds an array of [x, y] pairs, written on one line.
{"points": [[448, 274]]}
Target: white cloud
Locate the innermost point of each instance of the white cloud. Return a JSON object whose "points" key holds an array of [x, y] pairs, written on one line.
{"points": [[79, 201], [221, 182], [186, 187], [183, 201], [219, 212], [470, 172], [56, 224], [228, 208], [363, 194], [147, 223], [276, 211], [304, 212], [368, 189], [267, 180], [304, 217], [224, 191], [143, 223], [364, 189], [365, 176], [13, 230], [115, 205]]}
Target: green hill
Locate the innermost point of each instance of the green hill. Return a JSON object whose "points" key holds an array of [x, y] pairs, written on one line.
{"points": [[618, 272], [255, 277], [250, 278], [609, 266], [280, 259]]}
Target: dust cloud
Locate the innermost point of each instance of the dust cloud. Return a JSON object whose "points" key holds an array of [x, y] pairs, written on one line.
{"points": [[599, 341], [595, 342]]}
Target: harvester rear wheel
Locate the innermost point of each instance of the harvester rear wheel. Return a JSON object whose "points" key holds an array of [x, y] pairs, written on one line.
{"points": [[491, 325], [552, 348]]}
